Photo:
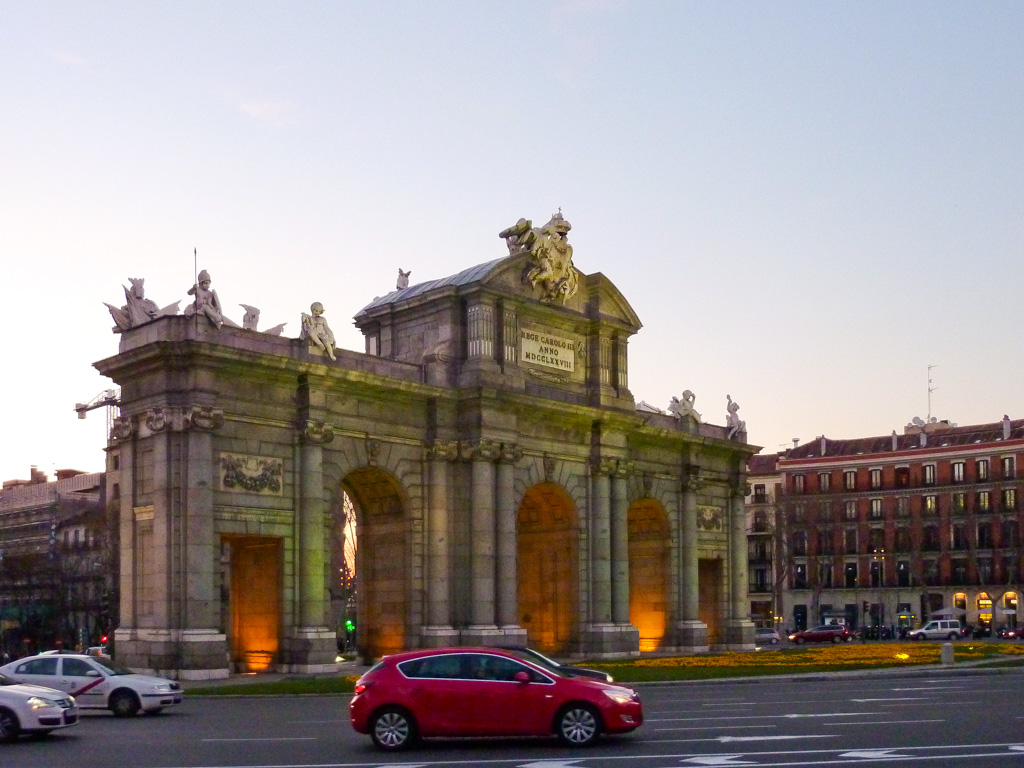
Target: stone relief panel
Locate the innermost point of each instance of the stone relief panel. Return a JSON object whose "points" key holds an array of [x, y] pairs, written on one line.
{"points": [[240, 473], [709, 518]]}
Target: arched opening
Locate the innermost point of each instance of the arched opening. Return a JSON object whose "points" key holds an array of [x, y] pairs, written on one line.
{"points": [[547, 567], [381, 567], [984, 606], [648, 571]]}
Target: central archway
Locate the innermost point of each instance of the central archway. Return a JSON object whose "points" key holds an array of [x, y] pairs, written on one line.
{"points": [[548, 573], [648, 571], [381, 563]]}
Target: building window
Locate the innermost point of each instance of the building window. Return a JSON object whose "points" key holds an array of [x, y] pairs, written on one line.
{"points": [[959, 537], [875, 477], [825, 545], [959, 572], [850, 480], [1009, 499], [903, 574], [931, 538], [959, 502], [800, 576], [824, 482], [1008, 536], [985, 535], [902, 539], [800, 543], [902, 477], [981, 469], [930, 505], [798, 513], [876, 572], [929, 474], [850, 541], [850, 575], [825, 575], [930, 570], [798, 483], [851, 510], [984, 501], [760, 496], [985, 571], [903, 506], [1007, 467], [876, 509], [958, 472]]}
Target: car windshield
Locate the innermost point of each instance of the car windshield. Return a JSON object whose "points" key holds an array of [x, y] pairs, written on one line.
{"points": [[111, 667]]}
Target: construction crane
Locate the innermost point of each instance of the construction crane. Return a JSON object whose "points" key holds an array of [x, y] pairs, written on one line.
{"points": [[109, 399]]}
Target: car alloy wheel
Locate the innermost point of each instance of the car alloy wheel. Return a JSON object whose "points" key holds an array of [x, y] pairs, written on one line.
{"points": [[392, 730], [799, 641], [124, 704], [578, 726], [9, 727], [836, 639]]}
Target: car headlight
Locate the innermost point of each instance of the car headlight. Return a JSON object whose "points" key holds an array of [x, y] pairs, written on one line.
{"points": [[162, 687], [37, 703], [619, 697]]}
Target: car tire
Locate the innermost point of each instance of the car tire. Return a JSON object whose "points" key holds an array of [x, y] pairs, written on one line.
{"points": [[775, 641], [836, 639], [952, 635], [9, 725], [799, 641], [124, 704], [578, 725], [392, 729]]}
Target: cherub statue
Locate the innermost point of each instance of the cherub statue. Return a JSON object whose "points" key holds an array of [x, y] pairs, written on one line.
{"points": [[138, 309], [207, 303], [315, 328], [736, 426], [403, 279], [680, 408]]}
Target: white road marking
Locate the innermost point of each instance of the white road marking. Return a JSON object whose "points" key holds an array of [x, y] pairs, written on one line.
{"points": [[892, 698], [549, 764], [874, 754], [720, 728], [888, 722], [727, 739], [718, 760]]}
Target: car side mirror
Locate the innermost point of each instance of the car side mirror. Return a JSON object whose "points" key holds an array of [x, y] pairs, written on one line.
{"points": [[522, 677]]}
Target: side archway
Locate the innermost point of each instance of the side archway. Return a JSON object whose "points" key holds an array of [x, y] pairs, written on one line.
{"points": [[382, 562], [548, 572], [648, 571]]}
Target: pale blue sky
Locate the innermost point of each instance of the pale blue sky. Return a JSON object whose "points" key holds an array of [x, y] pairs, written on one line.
{"points": [[805, 203]]}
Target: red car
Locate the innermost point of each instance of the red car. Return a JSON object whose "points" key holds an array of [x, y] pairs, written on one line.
{"points": [[829, 633], [484, 692]]}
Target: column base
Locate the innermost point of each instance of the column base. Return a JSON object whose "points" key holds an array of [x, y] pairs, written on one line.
{"points": [[492, 636], [692, 636], [440, 636], [309, 650], [739, 635], [179, 654], [611, 641]]}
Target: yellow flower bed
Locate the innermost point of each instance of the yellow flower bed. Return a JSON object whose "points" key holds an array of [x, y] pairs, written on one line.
{"points": [[844, 655]]}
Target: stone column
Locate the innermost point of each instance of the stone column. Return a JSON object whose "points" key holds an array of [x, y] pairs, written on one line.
{"points": [[691, 631], [439, 631], [507, 563], [601, 545], [483, 540], [620, 544], [740, 631]]}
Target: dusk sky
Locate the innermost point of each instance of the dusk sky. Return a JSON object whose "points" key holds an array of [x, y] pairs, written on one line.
{"points": [[806, 203]]}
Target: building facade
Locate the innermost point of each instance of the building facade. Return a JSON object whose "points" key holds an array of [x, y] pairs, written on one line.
{"points": [[506, 488], [56, 562], [891, 531], [765, 544]]}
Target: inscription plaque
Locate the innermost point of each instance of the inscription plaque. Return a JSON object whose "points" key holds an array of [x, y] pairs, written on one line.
{"points": [[540, 348]]}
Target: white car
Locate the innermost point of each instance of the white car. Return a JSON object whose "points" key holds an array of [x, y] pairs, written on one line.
{"points": [[96, 682], [767, 635], [31, 709]]}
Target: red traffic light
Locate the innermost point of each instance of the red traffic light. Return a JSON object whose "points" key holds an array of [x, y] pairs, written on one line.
{"points": [[103, 639]]}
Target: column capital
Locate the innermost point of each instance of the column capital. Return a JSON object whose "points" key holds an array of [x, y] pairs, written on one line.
{"points": [[624, 468], [510, 453], [603, 465], [203, 417], [122, 428], [484, 450], [316, 433], [691, 481], [442, 450]]}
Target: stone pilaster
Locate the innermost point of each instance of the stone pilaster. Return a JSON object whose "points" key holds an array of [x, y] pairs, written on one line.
{"points": [[620, 543], [439, 631], [483, 532], [740, 629], [508, 554], [691, 632]]}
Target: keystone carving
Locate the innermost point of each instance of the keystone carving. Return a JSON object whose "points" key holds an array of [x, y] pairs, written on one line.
{"points": [[122, 428], [203, 417], [317, 433]]}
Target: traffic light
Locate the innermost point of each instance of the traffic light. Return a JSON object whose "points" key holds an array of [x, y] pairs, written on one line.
{"points": [[864, 606]]}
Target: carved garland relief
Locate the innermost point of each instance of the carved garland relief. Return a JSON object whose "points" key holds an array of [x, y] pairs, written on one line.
{"points": [[251, 474]]}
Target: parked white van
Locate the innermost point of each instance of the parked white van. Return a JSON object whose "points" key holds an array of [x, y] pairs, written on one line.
{"points": [[938, 629]]}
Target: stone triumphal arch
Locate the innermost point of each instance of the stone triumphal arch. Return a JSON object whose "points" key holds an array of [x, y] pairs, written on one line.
{"points": [[507, 489]]}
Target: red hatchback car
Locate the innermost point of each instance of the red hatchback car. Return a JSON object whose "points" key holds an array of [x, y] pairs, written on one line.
{"points": [[484, 692]]}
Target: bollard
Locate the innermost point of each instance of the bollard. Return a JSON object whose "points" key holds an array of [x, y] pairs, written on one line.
{"points": [[947, 653]]}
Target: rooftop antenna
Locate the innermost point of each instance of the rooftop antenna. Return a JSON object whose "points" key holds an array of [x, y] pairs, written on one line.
{"points": [[930, 390]]}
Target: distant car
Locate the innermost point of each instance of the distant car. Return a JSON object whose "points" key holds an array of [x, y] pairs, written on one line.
{"points": [[827, 633], [568, 670], [97, 650], [33, 709], [767, 635], [484, 692], [96, 682], [938, 629]]}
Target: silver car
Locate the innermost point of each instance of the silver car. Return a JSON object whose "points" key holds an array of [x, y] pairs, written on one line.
{"points": [[33, 709]]}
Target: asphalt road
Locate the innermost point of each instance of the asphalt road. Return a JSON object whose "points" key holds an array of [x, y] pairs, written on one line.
{"points": [[931, 719]]}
